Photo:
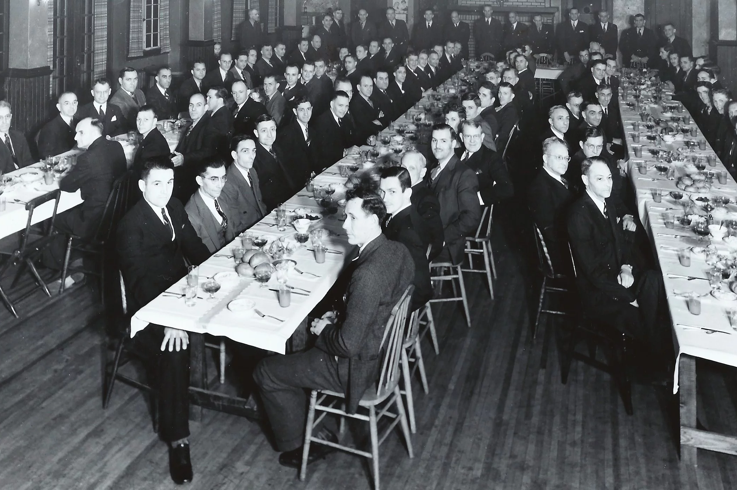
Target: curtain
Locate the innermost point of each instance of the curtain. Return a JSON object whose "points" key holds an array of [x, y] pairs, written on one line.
{"points": [[135, 40], [100, 43], [50, 42], [239, 15], [217, 22], [164, 41]]}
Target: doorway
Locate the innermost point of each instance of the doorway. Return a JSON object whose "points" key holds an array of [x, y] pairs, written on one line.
{"points": [[74, 22]]}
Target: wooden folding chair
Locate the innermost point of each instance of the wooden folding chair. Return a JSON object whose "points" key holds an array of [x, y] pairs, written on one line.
{"points": [[412, 361], [480, 244]]}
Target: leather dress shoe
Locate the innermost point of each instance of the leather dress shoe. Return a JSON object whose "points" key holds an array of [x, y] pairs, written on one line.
{"points": [[180, 466], [293, 458]]}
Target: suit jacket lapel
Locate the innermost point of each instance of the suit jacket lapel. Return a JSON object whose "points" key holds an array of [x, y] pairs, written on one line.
{"points": [[157, 225], [208, 220]]}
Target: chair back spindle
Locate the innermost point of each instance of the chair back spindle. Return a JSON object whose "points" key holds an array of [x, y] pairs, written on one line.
{"points": [[391, 344]]}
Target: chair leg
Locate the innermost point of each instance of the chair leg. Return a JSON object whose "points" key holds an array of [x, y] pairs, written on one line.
{"points": [[431, 326], [567, 358], [375, 441], [403, 421], [110, 380], [487, 268], [37, 276], [491, 259], [421, 366], [103, 265], [222, 362], [407, 380], [464, 298], [539, 307], [623, 376], [8, 303], [308, 435], [65, 267]]}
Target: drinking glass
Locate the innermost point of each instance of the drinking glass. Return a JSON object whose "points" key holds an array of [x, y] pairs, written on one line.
{"points": [[193, 275], [211, 286], [684, 257], [262, 275]]}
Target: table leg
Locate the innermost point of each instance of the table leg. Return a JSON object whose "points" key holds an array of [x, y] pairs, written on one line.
{"points": [[687, 395], [197, 371]]}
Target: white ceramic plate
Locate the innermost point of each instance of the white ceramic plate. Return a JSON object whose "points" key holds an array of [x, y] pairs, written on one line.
{"points": [[227, 278], [31, 176], [242, 305]]}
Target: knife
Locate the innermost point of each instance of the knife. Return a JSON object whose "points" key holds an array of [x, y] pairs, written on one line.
{"points": [[689, 278], [667, 235], [293, 292], [707, 330]]}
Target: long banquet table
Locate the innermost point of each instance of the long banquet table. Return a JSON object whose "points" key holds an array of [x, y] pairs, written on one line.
{"points": [[709, 335]]}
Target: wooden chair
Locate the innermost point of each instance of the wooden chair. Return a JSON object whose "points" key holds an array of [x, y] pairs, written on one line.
{"points": [[441, 272], [480, 244], [512, 137], [112, 372], [617, 347], [411, 362], [376, 401], [115, 208], [25, 248], [552, 282]]}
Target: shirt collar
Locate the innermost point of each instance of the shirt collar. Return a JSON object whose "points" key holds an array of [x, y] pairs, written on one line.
{"points": [[66, 119], [162, 90], [598, 201], [557, 133], [556, 177], [244, 172], [362, 247]]}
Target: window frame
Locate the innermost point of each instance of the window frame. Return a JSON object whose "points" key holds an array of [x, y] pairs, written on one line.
{"points": [[149, 20]]}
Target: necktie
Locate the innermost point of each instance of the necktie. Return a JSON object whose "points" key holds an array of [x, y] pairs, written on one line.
{"points": [[224, 222], [340, 122], [488, 21], [604, 27], [606, 214], [167, 95], [428, 25], [564, 181], [101, 112], [167, 222], [392, 24], [639, 32], [10, 147], [307, 135], [435, 172], [466, 156]]}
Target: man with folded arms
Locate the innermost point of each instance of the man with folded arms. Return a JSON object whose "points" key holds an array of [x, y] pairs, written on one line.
{"points": [[14, 150], [211, 218], [347, 353], [365, 112], [242, 192], [57, 135], [153, 240], [112, 118]]}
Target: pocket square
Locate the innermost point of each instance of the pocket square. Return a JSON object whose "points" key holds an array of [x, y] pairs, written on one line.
{"points": [[115, 118]]}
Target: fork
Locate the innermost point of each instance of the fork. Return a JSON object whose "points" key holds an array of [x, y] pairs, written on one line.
{"points": [[262, 315], [306, 272]]}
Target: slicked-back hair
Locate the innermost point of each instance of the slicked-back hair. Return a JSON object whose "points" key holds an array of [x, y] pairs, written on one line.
{"points": [[126, 69], [209, 163], [235, 141], [586, 103], [339, 93], [220, 92], [473, 97], [161, 163], [604, 86], [101, 81], [97, 124], [262, 118], [555, 108], [574, 94], [442, 127], [586, 164], [455, 107], [553, 140], [146, 108], [591, 133], [401, 173], [371, 203], [338, 81]]}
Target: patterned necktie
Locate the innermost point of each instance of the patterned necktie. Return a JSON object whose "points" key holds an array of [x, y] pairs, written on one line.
{"points": [[466, 156], [102, 113], [307, 135], [10, 147], [224, 222], [167, 222], [435, 172], [167, 95], [564, 181], [606, 214]]}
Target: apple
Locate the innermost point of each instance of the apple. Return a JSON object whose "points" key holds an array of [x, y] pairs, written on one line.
{"points": [[247, 256], [244, 270], [259, 258]]}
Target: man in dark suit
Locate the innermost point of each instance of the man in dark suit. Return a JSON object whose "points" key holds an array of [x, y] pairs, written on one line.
{"points": [[572, 36], [428, 32], [588, 83], [365, 112], [456, 187], [57, 135], [275, 105], [639, 44], [540, 37], [191, 86], [390, 56], [294, 140], [614, 288], [446, 61], [495, 185], [153, 239], [279, 60], [558, 123], [328, 135], [330, 45], [129, 98], [316, 50], [277, 181], [526, 82], [250, 67], [548, 198], [250, 32], [403, 94], [111, 116], [299, 54], [404, 225], [458, 32], [572, 73], [515, 32], [676, 43], [153, 144], [382, 100], [338, 29], [415, 76], [242, 191], [246, 109], [265, 64], [611, 120], [240, 72], [14, 150], [194, 148], [605, 33], [395, 29], [488, 34], [685, 81], [347, 353], [507, 114], [220, 122], [363, 31], [93, 175], [211, 218], [160, 97], [591, 116], [221, 76], [425, 203], [325, 87]]}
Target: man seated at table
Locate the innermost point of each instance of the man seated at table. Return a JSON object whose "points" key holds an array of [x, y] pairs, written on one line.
{"points": [[456, 187], [548, 198], [295, 139], [364, 111], [14, 152], [194, 148], [242, 192], [275, 103], [278, 181], [424, 201], [589, 82], [246, 110], [573, 72], [129, 98], [210, 216], [329, 133], [507, 114], [495, 184], [160, 97], [614, 288], [403, 225], [153, 144], [611, 120], [591, 116], [153, 240], [558, 123], [111, 116], [347, 353], [57, 135], [93, 175], [472, 104], [382, 100], [220, 76], [221, 120]]}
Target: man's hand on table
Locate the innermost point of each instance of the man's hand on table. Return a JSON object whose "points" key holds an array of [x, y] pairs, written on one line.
{"points": [[628, 223], [319, 324], [177, 159], [625, 277], [175, 339]]}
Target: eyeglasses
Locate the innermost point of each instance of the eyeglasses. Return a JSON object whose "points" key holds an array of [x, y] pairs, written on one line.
{"points": [[560, 158]]}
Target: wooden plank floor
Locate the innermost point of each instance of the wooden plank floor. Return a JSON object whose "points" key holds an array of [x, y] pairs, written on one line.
{"points": [[496, 417]]}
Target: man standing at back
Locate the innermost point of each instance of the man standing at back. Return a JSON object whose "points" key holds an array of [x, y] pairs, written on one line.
{"points": [[572, 36], [251, 33], [129, 98], [488, 34], [458, 32], [396, 29], [456, 187], [242, 192], [605, 33], [192, 85]]}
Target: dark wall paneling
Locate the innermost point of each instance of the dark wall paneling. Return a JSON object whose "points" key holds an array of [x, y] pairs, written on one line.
{"points": [[28, 94], [679, 12], [194, 50], [727, 61]]}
